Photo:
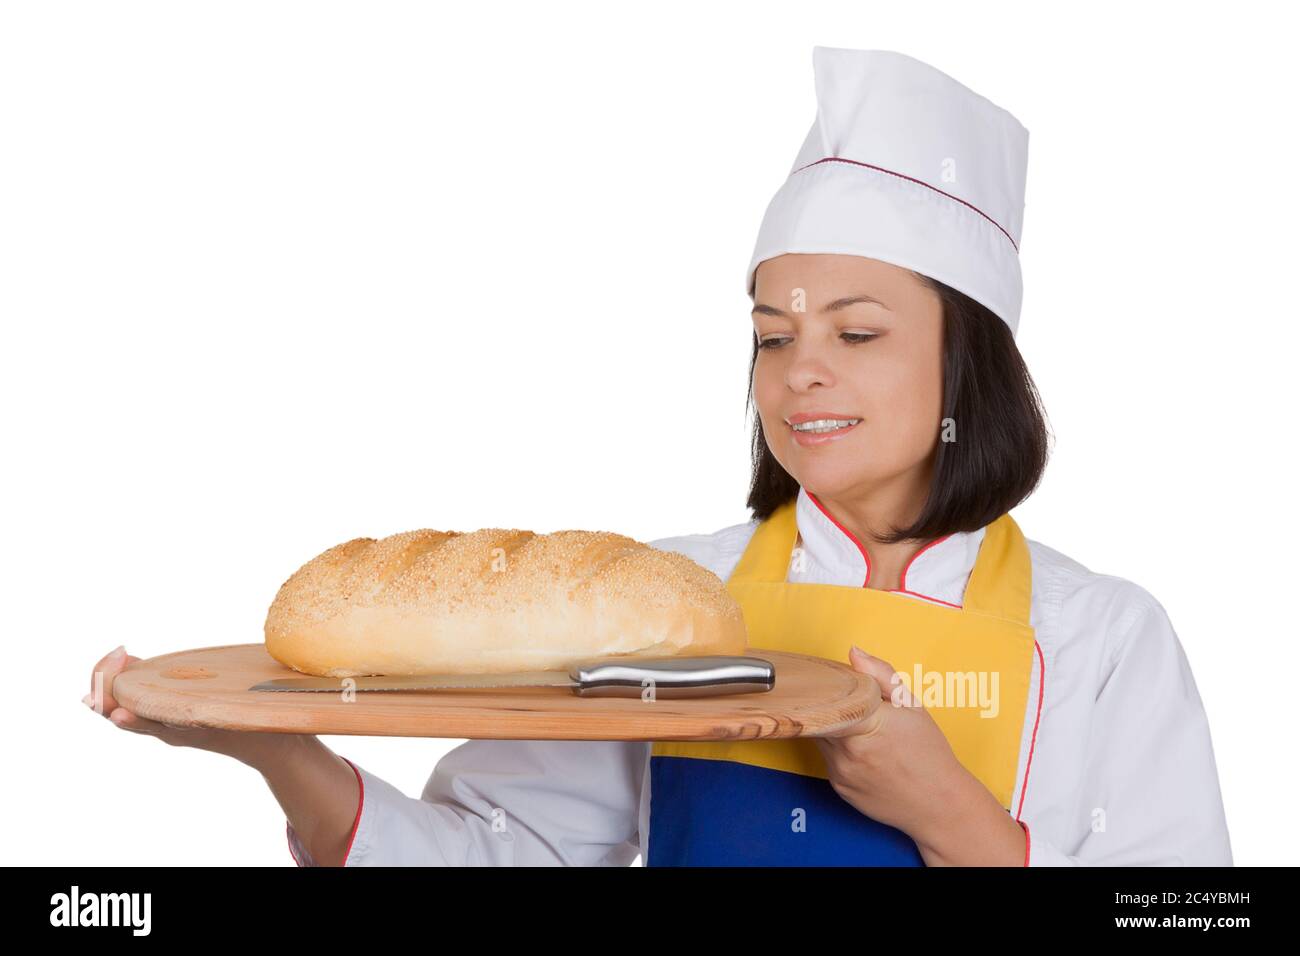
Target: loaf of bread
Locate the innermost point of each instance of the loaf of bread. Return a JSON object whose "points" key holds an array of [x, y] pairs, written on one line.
{"points": [[495, 600]]}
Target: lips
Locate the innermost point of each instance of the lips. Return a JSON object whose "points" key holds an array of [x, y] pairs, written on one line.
{"points": [[809, 439], [800, 417]]}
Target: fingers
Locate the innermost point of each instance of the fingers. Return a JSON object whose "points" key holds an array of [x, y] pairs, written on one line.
{"points": [[869, 724], [101, 699], [892, 687], [109, 663], [889, 687], [133, 722]]}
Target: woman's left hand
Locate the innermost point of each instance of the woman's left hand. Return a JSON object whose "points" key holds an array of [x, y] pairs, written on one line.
{"points": [[897, 767]]}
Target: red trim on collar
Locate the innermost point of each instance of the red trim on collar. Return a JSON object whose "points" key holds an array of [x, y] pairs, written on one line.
{"points": [[919, 182], [902, 588], [902, 582], [865, 557]]}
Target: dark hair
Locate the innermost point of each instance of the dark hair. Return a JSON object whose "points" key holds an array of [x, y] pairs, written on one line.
{"points": [[1002, 444]]}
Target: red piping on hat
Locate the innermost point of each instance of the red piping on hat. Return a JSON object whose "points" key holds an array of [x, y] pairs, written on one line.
{"points": [[919, 182]]}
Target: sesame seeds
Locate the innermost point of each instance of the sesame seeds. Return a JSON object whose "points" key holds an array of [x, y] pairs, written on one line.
{"points": [[496, 571]]}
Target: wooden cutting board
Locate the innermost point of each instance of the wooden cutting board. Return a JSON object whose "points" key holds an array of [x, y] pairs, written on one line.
{"points": [[208, 687]]}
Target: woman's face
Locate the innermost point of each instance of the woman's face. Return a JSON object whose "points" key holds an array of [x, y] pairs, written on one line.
{"points": [[845, 337]]}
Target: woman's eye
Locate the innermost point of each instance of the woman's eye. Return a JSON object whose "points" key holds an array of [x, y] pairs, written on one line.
{"points": [[853, 338]]}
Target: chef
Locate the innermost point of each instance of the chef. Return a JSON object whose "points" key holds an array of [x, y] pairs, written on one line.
{"points": [[897, 426], [1031, 711]]}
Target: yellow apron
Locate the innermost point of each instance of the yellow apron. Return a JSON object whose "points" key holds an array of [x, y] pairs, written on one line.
{"points": [[768, 802]]}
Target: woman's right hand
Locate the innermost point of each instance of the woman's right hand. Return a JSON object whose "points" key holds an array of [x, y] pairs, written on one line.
{"points": [[251, 747]]}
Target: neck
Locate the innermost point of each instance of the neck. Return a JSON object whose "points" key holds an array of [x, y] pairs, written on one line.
{"points": [[866, 518]]}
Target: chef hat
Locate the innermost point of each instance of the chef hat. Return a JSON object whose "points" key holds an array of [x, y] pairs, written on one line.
{"points": [[906, 165]]}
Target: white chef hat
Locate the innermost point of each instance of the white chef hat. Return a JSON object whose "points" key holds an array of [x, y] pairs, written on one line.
{"points": [[906, 165]]}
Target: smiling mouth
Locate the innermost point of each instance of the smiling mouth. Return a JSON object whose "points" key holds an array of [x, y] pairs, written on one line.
{"points": [[824, 426]]}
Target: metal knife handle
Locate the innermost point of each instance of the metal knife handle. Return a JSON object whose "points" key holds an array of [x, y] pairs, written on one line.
{"points": [[673, 676]]}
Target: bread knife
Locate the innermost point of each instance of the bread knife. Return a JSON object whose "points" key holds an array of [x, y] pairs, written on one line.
{"points": [[602, 677]]}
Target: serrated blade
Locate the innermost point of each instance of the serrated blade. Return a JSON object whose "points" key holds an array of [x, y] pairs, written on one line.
{"points": [[421, 682]]}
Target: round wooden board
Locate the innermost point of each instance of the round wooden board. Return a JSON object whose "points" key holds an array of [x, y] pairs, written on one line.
{"points": [[208, 687]]}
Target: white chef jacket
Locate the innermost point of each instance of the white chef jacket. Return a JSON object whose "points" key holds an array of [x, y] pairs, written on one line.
{"points": [[1116, 762]]}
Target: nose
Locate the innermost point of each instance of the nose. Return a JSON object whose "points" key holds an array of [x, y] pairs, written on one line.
{"points": [[808, 369]]}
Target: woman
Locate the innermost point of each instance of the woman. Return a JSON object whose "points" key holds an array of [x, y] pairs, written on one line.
{"points": [[1031, 711]]}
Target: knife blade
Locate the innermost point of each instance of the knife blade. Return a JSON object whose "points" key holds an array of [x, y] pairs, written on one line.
{"points": [[599, 677]]}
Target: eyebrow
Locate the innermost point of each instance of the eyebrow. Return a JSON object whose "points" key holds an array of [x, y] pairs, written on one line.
{"points": [[845, 302]]}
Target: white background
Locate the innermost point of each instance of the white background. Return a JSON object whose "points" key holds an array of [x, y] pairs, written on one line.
{"points": [[276, 275]]}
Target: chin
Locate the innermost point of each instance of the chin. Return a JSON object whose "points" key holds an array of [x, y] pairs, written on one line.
{"points": [[830, 479]]}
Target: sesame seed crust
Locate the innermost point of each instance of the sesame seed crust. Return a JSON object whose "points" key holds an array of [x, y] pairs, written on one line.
{"points": [[495, 600]]}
